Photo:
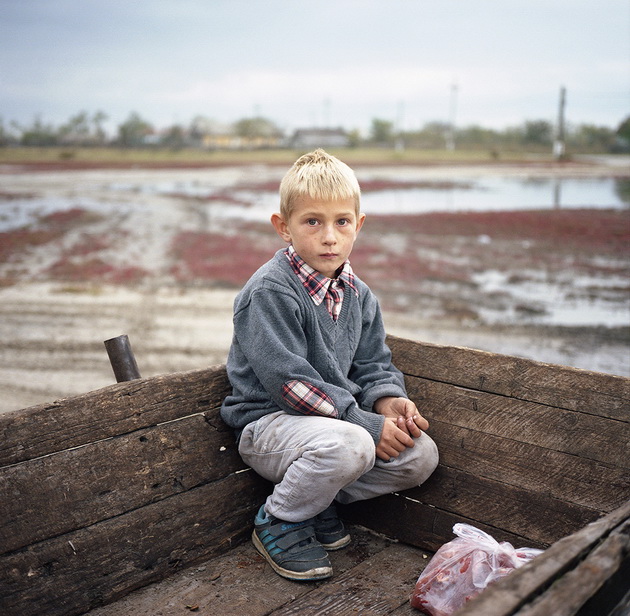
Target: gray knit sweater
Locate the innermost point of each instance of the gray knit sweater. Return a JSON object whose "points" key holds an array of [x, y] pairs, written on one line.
{"points": [[281, 336]]}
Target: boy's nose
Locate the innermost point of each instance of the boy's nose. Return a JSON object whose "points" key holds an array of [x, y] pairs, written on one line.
{"points": [[329, 236]]}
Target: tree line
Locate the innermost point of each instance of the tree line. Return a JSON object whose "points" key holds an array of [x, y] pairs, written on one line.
{"points": [[87, 129]]}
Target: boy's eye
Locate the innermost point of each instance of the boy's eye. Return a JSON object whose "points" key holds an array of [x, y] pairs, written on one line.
{"points": [[311, 222], [342, 222]]}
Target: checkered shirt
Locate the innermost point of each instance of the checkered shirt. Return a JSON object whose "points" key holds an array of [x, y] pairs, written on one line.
{"points": [[299, 395], [320, 287]]}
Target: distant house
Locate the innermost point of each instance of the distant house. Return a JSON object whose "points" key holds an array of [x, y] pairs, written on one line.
{"points": [[247, 134], [308, 138], [230, 141], [221, 141]]}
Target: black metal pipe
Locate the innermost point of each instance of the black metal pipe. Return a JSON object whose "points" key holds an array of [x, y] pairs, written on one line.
{"points": [[122, 358]]}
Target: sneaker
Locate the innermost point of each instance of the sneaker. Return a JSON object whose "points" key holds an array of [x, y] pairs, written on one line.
{"points": [[291, 548], [330, 531]]}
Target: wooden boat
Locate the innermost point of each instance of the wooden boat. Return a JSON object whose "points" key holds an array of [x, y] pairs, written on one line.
{"points": [[133, 500]]}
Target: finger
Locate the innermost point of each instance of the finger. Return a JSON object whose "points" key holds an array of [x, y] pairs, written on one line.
{"points": [[410, 409], [421, 422], [399, 441], [408, 426], [403, 440], [403, 424], [387, 452], [412, 427], [382, 455]]}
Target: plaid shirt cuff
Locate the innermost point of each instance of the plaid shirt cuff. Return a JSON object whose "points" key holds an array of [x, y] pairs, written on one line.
{"points": [[308, 399]]}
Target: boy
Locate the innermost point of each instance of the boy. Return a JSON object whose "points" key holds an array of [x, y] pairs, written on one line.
{"points": [[318, 408]]}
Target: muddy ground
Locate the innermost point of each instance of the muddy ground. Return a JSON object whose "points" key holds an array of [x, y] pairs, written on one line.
{"points": [[86, 255]]}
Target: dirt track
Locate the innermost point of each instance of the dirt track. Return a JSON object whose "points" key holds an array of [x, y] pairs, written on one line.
{"points": [[90, 262]]}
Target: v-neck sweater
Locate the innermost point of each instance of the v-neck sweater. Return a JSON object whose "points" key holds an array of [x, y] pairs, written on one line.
{"points": [[282, 337]]}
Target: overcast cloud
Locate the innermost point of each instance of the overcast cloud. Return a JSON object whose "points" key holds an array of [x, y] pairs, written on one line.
{"points": [[324, 62]]}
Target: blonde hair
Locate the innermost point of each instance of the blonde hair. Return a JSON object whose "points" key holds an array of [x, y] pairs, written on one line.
{"points": [[320, 176]]}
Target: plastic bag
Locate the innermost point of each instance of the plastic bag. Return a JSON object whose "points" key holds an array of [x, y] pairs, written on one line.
{"points": [[462, 568]]}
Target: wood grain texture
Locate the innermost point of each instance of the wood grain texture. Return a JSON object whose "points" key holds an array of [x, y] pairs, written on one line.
{"points": [[376, 587], [569, 594], [241, 582], [71, 573], [531, 518], [577, 433], [117, 409], [560, 386], [79, 487]]}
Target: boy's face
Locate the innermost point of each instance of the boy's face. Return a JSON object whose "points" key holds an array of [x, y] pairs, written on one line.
{"points": [[322, 232]]}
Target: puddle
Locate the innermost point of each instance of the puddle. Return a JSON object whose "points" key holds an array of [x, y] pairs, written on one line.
{"points": [[572, 302]]}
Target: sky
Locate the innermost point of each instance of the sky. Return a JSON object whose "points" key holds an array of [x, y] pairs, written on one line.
{"points": [[493, 63]]}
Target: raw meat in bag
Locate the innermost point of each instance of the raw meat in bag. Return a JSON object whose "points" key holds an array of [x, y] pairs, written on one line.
{"points": [[462, 568]]}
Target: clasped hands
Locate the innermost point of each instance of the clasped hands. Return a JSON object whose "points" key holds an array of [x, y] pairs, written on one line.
{"points": [[402, 424]]}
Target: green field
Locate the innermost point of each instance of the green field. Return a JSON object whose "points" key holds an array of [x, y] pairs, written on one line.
{"points": [[60, 156]]}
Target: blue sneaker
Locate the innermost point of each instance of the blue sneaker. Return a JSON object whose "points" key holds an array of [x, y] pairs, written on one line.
{"points": [[330, 531], [291, 548]]}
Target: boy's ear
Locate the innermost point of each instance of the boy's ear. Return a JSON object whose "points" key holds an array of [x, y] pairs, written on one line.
{"points": [[360, 222], [281, 227]]}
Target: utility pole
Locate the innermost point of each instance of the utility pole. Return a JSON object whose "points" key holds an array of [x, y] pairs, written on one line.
{"points": [[558, 144], [450, 131], [399, 144]]}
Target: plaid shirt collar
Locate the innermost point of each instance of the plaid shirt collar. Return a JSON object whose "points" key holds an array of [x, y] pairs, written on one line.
{"points": [[315, 283]]}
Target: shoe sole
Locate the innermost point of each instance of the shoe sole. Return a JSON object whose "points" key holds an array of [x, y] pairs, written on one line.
{"points": [[337, 545], [318, 573]]}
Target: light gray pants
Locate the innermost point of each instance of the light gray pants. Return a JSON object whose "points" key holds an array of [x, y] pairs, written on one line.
{"points": [[315, 460]]}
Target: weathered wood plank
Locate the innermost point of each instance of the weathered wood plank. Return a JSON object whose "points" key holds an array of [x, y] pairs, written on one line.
{"points": [[576, 433], [72, 573], [110, 411], [241, 582], [71, 489], [419, 524], [571, 592], [425, 516], [584, 482], [377, 586], [622, 608], [560, 386], [506, 596], [538, 518]]}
